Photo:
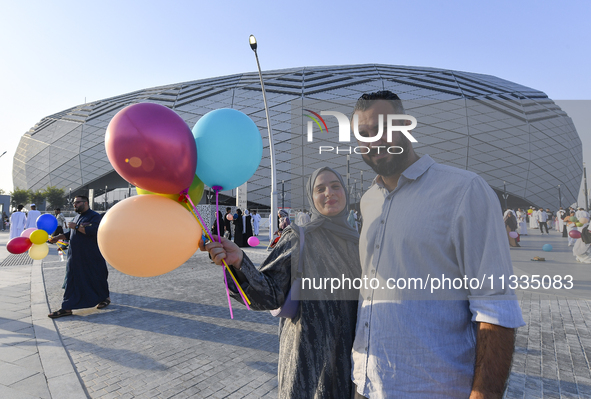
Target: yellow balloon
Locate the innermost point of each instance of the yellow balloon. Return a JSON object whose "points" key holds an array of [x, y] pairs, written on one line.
{"points": [[39, 252], [195, 193], [131, 240], [39, 237]]}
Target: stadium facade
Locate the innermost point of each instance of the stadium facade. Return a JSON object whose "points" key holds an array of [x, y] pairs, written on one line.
{"points": [[515, 137]]}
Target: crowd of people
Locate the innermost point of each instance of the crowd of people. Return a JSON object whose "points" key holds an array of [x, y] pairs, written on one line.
{"points": [[564, 221]]}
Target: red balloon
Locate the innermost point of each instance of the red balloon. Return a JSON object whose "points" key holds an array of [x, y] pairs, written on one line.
{"points": [[19, 245], [574, 234], [152, 147]]}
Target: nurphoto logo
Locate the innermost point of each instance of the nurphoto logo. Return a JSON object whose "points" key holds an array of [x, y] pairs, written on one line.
{"points": [[403, 124]]}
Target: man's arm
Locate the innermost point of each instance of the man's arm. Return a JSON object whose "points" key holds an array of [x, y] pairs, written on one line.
{"points": [[494, 351]]}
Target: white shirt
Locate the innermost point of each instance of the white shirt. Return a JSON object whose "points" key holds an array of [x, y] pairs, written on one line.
{"points": [[542, 216], [409, 343], [17, 224], [32, 219]]}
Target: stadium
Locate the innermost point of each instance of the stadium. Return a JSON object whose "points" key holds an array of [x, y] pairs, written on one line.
{"points": [[515, 137]]}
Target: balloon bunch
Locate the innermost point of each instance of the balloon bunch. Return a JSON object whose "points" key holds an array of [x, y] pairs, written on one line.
{"points": [[152, 147], [33, 239]]}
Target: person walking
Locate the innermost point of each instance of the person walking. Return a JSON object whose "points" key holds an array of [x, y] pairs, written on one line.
{"points": [[86, 270], [32, 217], [17, 222]]}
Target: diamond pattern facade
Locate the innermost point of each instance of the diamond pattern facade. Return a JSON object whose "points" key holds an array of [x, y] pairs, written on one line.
{"points": [[505, 132]]}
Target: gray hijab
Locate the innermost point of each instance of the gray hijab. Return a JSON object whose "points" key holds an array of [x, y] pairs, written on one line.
{"points": [[337, 224]]}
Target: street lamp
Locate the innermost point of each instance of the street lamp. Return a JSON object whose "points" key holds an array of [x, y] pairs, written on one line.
{"points": [[559, 198], [253, 45], [586, 192], [361, 182], [282, 194]]}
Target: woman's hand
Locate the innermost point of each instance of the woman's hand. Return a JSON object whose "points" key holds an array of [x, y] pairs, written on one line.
{"points": [[225, 249]]}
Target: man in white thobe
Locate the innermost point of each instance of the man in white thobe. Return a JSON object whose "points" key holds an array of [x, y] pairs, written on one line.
{"points": [[522, 230], [533, 219], [256, 219], [17, 223], [559, 221], [581, 213], [32, 217]]}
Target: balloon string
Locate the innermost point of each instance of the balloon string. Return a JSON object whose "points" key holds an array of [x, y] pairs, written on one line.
{"points": [[217, 213], [220, 240], [197, 216], [227, 268], [228, 295]]}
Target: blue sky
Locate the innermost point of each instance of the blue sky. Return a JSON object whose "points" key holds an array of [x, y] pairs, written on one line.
{"points": [[58, 54]]}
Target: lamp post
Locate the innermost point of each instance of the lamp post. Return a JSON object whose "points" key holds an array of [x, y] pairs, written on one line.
{"points": [[559, 198], [348, 175], [282, 194], [505, 195], [253, 45], [70, 198], [362, 183], [586, 192]]}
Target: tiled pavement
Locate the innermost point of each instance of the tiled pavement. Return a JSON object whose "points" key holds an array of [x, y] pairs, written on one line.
{"points": [[172, 337]]}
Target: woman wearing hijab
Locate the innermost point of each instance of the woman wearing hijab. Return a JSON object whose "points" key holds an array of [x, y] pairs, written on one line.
{"points": [[314, 346], [511, 225], [283, 221], [238, 225], [246, 228]]}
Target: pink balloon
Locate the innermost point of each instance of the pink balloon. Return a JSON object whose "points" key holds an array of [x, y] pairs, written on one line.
{"points": [[230, 217], [513, 234], [19, 245], [574, 234], [253, 241], [152, 147], [27, 232]]}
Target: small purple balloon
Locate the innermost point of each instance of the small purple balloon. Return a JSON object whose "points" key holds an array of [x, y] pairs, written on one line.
{"points": [[513, 234], [253, 241]]}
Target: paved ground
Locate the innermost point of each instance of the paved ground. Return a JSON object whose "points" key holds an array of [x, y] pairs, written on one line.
{"points": [[172, 337]]}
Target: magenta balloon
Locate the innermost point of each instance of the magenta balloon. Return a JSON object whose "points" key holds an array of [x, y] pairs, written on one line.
{"points": [[513, 234], [574, 234], [152, 147], [26, 233], [19, 245], [253, 241]]}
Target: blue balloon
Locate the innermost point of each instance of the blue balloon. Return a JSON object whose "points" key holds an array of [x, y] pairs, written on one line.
{"points": [[547, 247], [47, 223], [229, 148]]}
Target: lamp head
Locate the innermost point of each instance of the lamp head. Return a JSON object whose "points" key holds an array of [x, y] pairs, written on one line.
{"points": [[253, 42]]}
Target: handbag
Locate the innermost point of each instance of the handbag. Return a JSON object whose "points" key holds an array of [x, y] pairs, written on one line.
{"points": [[290, 307]]}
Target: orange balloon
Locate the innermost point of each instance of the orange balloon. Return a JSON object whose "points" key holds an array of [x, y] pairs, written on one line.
{"points": [[133, 239]]}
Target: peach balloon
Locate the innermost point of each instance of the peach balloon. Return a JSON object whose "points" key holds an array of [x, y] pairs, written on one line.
{"points": [[131, 239]]}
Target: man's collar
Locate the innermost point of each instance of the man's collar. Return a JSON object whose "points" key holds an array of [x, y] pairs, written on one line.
{"points": [[413, 172]]}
